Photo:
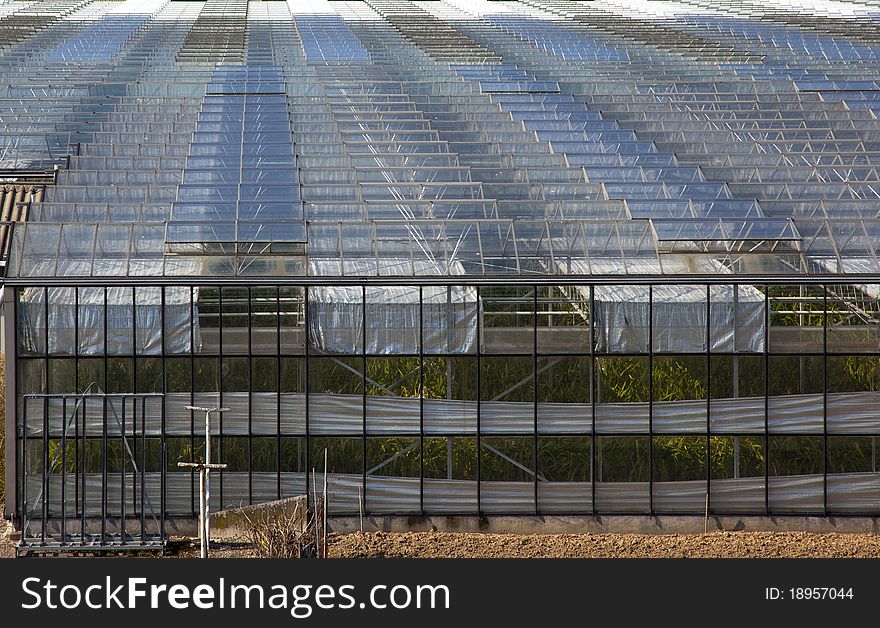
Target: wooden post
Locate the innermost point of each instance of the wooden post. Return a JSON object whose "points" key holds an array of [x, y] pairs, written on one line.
{"points": [[205, 524], [204, 506], [324, 524]]}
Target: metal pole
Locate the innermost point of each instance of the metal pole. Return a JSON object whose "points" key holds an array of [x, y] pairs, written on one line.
{"points": [[206, 480], [317, 532], [204, 507], [203, 498], [204, 519], [324, 523], [361, 510]]}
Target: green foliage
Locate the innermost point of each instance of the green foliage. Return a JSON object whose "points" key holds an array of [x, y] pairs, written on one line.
{"points": [[796, 306], [679, 378], [679, 458], [452, 378], [463, 458], [792, 375], [853, 373], [750, 381], [344, 455], [622, 379], [399, 376], [623, 459], [852, 454], [398, 457], [494, 467], [564, 379], [565, 459], [796, 455], [507, 379], [722, 456]]}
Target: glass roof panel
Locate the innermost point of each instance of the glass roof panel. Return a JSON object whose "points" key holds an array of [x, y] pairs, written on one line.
{"points": [[426, 138]]}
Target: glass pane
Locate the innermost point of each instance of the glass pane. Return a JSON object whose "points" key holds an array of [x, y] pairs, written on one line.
{"points": [[392, 319], [853, 318], [736, 319], [507, 474], [796, 465], [564, 394], [450, 395], [796, 318], [393, 474], [679, 391], [622, 476], [565, 474], [508, 319], [336, 401], [622, 394], [450, 474], [31, 311], [449, 319], [507, 402], [796, 401], [853, 393], [563, 319], [737, 393], [393, 395], [853, 474], [679, 473], [345, 467], [621, 315], [679, 318]]}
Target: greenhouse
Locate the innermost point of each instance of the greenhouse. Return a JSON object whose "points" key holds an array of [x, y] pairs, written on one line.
{"points": [[536, 257]]}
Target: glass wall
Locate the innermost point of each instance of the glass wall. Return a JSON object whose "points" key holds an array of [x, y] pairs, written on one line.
{"points": [[426, 399]]}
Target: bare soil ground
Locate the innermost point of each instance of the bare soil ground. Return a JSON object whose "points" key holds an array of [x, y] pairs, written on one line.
{"points": [[7, 547], [476, 545], [712, 545]]}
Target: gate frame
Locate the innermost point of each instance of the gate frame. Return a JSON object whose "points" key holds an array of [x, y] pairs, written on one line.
{"points": [[99, 539]]}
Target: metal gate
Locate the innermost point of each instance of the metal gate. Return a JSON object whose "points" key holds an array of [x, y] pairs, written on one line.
{"points": [[90, 471]]}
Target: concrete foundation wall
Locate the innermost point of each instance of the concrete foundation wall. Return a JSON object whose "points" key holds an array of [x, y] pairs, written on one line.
{"points": [[233, 524], [621, 524]]}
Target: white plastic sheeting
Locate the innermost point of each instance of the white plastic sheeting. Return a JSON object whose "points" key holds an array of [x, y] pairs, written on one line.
{"points": [[396, 322], [629, 497], [737, 495], [847, 492], [450, 496], [79, 319], [848, 413], [181, 491], [623, 312], [736, 318]]}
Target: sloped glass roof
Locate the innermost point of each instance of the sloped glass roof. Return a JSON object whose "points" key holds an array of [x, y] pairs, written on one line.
{"points": [[455, 137]]}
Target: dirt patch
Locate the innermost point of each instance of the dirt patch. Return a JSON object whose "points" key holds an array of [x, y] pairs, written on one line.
{"points": [[2, 429], [712, 545], [7, 547], [219, 549], [476, 545]]}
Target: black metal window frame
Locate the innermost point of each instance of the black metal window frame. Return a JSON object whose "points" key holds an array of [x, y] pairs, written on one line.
{"points": [[306, 354]]}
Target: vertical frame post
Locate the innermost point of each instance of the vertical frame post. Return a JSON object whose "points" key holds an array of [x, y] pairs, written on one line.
{"points": [[825, 400], [13, 435], [535, 391], [479, 401], [651, 399], [767, 400], [421, 401], [594, 391]]}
